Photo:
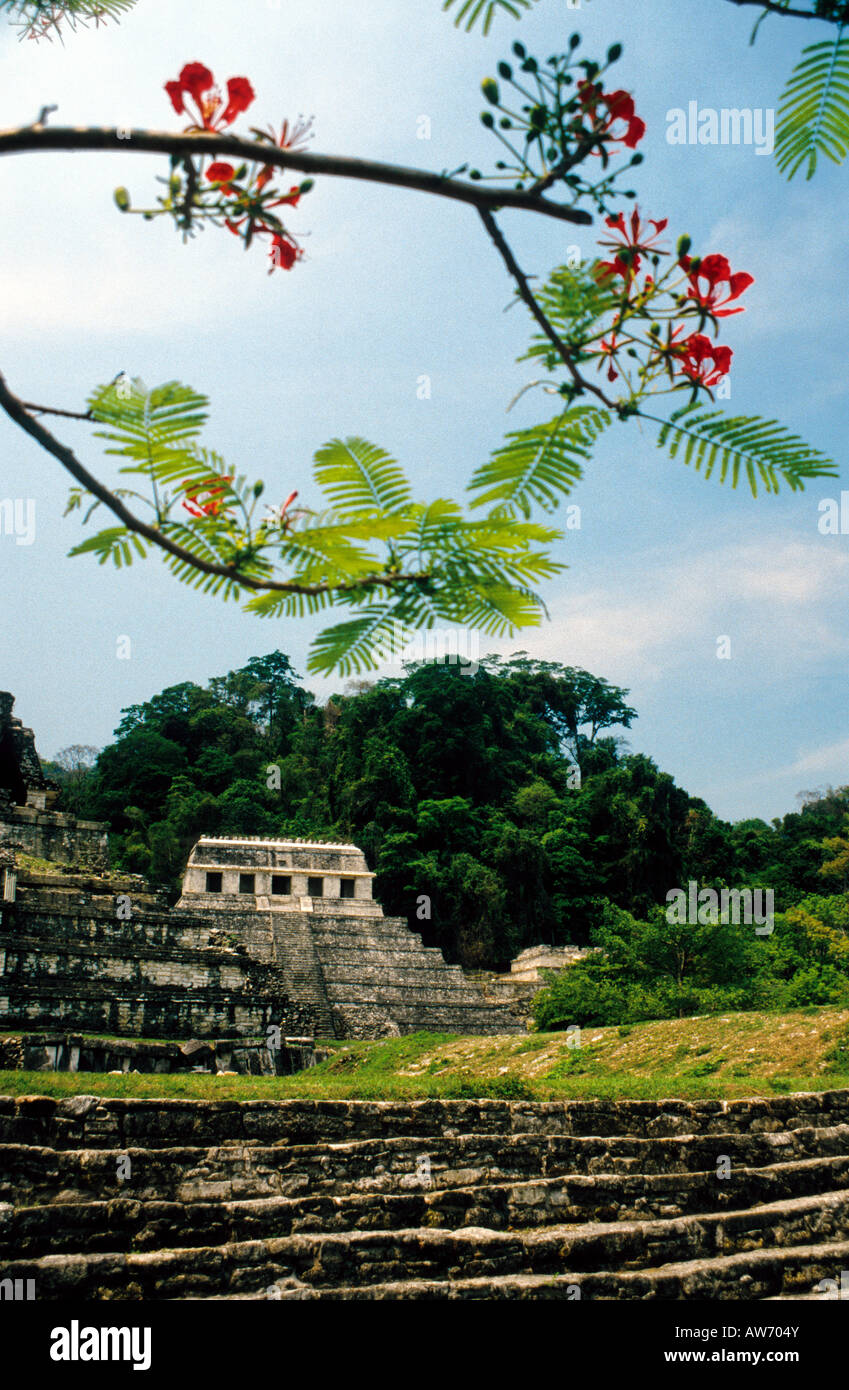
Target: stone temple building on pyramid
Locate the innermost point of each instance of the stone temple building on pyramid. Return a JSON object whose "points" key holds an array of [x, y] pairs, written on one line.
{"points": [[267, 933]]}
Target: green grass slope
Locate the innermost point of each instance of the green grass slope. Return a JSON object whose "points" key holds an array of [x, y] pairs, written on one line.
{"points": [[722, 1055]]}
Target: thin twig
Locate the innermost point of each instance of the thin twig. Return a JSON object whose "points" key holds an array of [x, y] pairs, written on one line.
{"points": [[54, 410], [338, 166], [526, 294], [17, 411], [771, 8]]}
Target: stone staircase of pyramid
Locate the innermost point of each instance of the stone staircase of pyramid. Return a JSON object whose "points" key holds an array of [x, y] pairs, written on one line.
{"points": [[451, 1199], [375, 968]]}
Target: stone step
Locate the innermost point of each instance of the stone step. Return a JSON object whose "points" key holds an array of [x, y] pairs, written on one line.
{"points": [[353, 951], [376, 1257], [345, 933], [134, 1221], [83, 1121], [32, 1174], [27, 957], [96, 1006], [104, 928], [423, 979], [751, 1275], [416, 993]]}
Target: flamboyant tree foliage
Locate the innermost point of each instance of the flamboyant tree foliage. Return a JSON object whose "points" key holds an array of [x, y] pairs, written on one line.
{"points": [[644, 321], [813, 116]]}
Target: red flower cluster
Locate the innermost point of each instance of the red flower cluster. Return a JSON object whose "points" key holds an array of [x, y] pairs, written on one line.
{"points": [[248, 208], [283, 252], [619, 108], [711, 287], [197, 82], [213, 506]]}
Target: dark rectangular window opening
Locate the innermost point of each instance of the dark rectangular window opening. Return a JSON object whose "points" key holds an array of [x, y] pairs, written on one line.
{"points": [[213, 883], [281, 885], [246, 883], [315, 887], [346, 888]]}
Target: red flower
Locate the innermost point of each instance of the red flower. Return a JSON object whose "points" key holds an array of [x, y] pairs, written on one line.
{"points": [[637, 238], [697, 351], [283, 252], [194, 79], [290, 138], [222, 173], [197, 81], [628, 267], [210, 508], [635, 242], [620, 107], [716, 271], [608, 350], [240, 94]]}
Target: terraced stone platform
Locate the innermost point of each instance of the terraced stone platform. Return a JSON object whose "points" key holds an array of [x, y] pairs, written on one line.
{"points": [[353, 1200]]}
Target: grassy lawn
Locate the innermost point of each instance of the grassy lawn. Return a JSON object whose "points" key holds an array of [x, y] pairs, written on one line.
{"points": [[722, 1055]]}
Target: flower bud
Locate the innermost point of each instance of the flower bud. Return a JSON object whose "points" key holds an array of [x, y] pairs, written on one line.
{"points": [[684, 244], [489, 87], [259, 489], [519, 50], [505, 71], [488, 119], [654, 330], [574, 40], [307, 185], [122, 199], [614, 53], [175, 183]]}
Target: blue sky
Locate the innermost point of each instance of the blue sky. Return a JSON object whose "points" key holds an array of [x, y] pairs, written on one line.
{"points": [[397, 285]]}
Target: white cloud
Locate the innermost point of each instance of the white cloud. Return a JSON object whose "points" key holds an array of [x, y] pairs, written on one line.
{"points": [[821, 759], [771, 597]]}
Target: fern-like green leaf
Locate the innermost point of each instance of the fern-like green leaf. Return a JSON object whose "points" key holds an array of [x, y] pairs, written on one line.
{"points": [[41, 19], [116, 543], [575, 304], [540, 464], [470, 11], [349, 647], [149, 427], [358, 475], [762, 449], [207, 542], [325, 547], [813, 118]]}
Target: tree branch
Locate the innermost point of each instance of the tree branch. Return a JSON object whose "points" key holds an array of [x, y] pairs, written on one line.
{"points": [[54, 410], [770, 7], [526, 294], [17, 411], [337, 166]]}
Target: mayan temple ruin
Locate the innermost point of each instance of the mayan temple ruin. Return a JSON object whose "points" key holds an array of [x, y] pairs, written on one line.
{"points": [[280, 934]]}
